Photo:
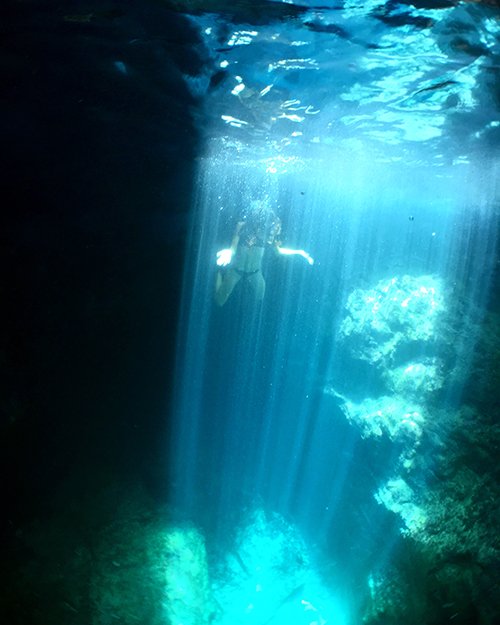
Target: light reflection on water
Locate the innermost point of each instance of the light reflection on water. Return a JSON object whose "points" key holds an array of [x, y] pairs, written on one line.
{"points": [[412, 84]]}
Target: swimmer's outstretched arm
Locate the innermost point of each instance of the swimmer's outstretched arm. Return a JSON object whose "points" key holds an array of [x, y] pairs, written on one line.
{"points": [[288, 252], [224, 257]]}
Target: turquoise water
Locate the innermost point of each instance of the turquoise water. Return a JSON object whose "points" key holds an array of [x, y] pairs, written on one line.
{"points": [[328, 411], [327, 403]]}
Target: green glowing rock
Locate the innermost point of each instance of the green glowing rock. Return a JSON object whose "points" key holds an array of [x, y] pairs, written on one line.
{"points": [[187, 585], [151, 573]]}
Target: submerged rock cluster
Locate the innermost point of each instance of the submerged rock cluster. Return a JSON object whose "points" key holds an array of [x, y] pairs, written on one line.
{"points": [[395, 328], [439, 479], [151, 572], [139, 566]]}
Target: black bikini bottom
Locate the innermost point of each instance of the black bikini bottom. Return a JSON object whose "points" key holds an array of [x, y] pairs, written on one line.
{"points": [[245, 274]]}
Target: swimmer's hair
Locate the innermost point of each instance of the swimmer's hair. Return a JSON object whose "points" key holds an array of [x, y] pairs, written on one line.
{"points": [[259, 214]]}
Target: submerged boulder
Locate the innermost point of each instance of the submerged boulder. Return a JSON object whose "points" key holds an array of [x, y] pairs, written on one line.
{"points": [[187, 584], [151, 573], [109, 554]]}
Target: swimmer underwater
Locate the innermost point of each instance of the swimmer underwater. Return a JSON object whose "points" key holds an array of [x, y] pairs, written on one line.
{"points": [[258, 229]]}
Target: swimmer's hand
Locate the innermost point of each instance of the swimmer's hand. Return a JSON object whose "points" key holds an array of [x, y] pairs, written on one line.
{"points": [[288, 252], [224, 257], [309, 258]]}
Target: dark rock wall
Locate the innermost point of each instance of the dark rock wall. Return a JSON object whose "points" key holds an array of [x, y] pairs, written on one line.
{"points": [[98, 151]]}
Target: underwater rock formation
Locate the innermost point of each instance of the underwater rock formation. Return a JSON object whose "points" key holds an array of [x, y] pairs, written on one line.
{"points": [[440, 481], [152, 573], [395, 328], [399, 498], [268, 576], [387, 594], [389, 415], [395, 314], [188, 591], [112, 557]]}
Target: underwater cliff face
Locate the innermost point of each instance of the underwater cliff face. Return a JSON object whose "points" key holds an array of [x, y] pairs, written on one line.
{"points": [[97, 158], [347, 468], [98, 144]]}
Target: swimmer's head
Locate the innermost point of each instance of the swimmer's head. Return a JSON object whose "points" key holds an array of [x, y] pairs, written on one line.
{"points": [[258, 205], [259, 213]]}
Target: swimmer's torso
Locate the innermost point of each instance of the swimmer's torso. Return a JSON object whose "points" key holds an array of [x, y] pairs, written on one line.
{"points": [[248, 259]]}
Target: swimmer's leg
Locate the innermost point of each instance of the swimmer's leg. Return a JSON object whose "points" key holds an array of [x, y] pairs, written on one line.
{"points": [[224, 285], [258, 284]]}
